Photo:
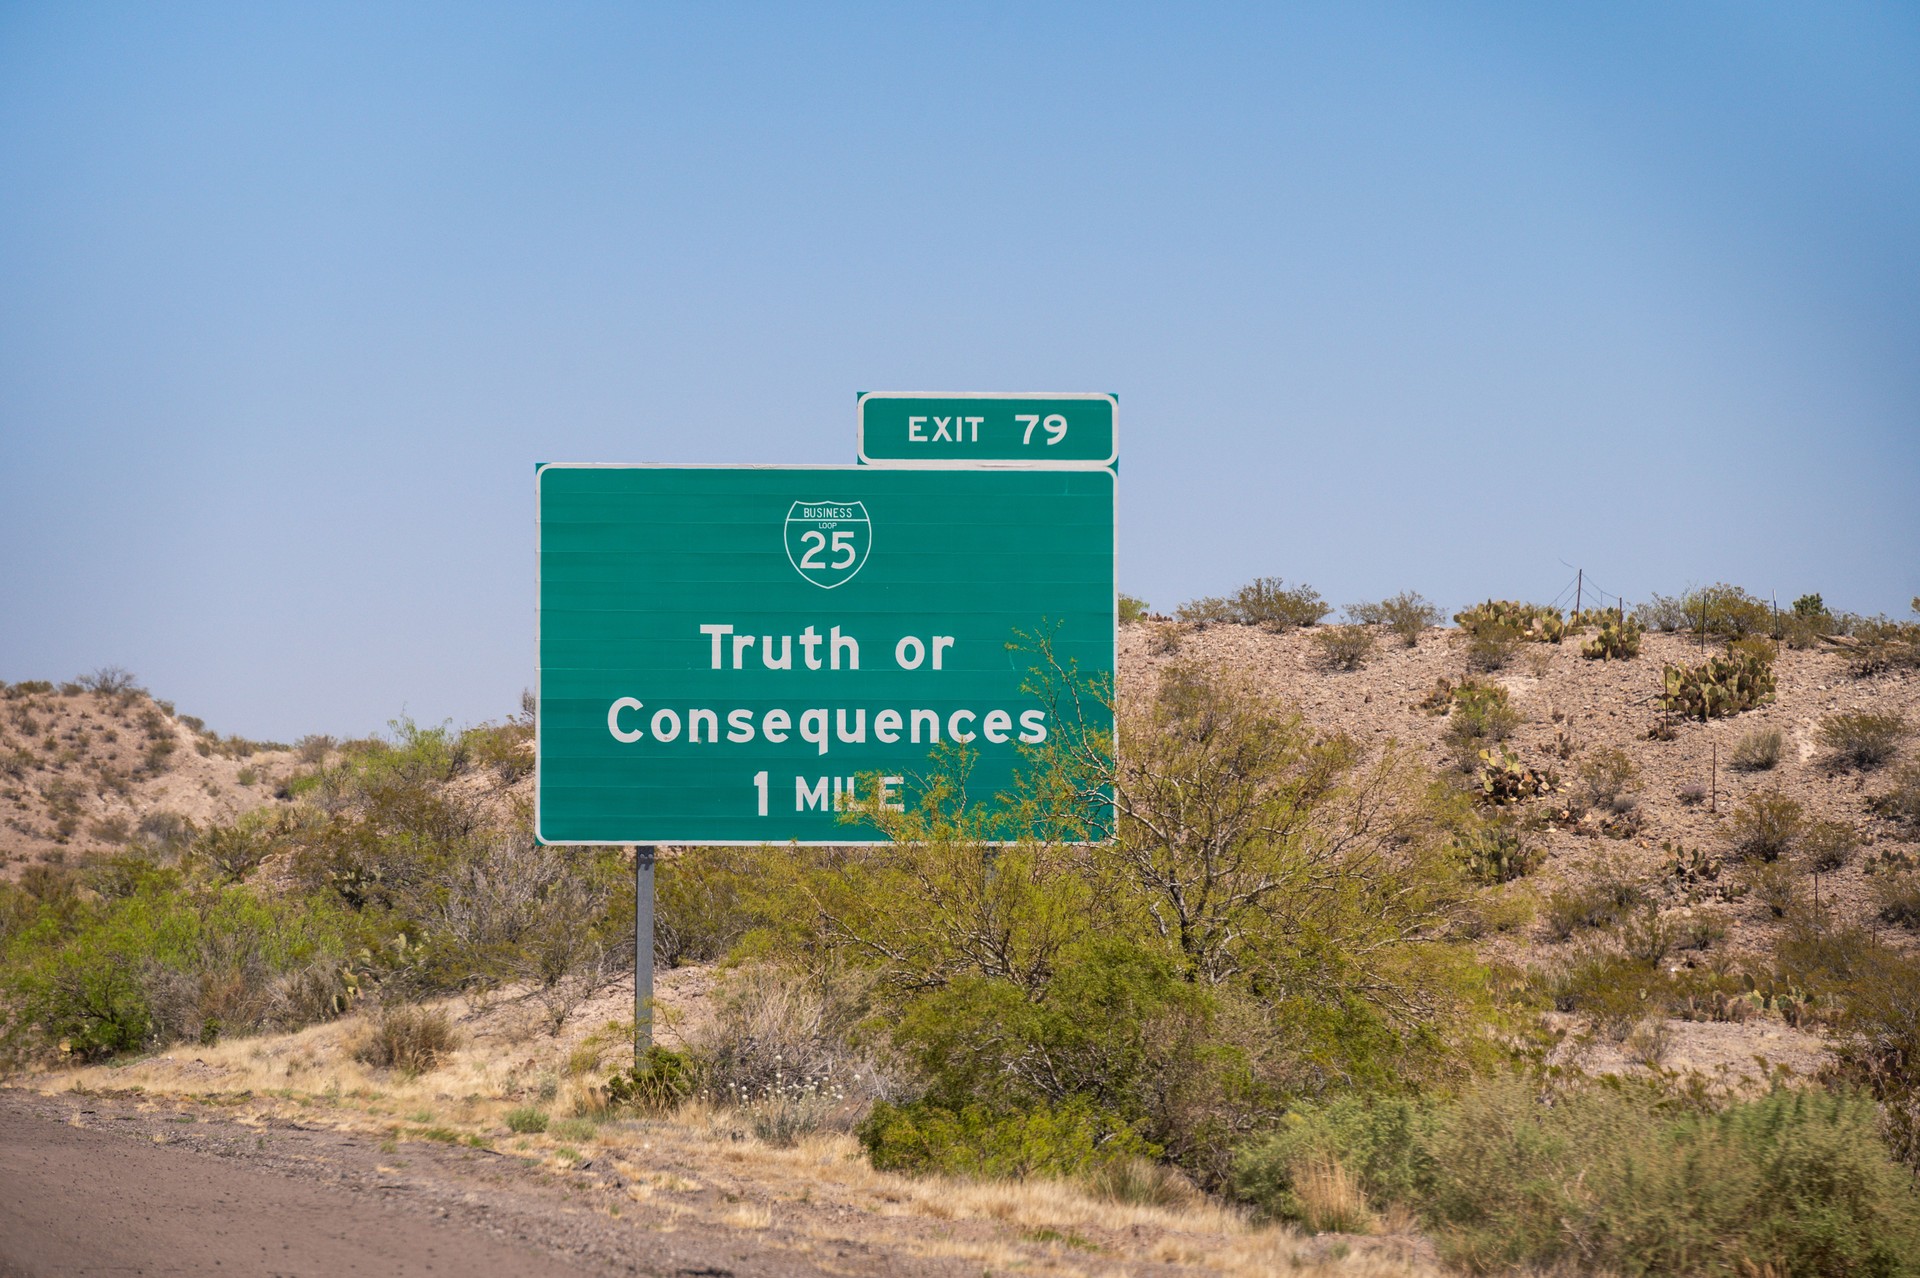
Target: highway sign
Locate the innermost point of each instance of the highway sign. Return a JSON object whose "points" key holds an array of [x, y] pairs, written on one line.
{"points": [[725, 650], [947, 431]]}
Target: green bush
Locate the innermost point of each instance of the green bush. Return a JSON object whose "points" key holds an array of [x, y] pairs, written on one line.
{"points": [[1863, 740], [1599, 902], [661, 1083], [1766, 826], [1902, 801], [154, 960], [1615, 1179], [1720, 609], [1604, 779], [1829, 845], [1405, 614], [1496, 851], [1478, 715], [1264, 601], [1132, 609], [1344, 647], [1072, 1138]]}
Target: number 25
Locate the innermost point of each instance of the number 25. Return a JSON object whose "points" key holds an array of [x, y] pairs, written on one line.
{"points": [[842, 546], [1056, 426]]}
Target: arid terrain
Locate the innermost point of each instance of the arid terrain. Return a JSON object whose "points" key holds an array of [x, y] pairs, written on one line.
{"points": [[380, 1170]]}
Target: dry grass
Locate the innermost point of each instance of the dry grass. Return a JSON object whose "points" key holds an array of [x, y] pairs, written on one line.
{"points": [[503, 1062]]}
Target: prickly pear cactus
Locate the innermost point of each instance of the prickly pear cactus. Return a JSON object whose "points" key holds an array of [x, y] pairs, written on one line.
{"points": [[1503, 779], [1533, 623], [1617, 641], [1719, 687]]}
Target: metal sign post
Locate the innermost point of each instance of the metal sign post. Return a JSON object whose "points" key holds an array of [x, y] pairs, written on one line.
{"points": [[642, 953]]}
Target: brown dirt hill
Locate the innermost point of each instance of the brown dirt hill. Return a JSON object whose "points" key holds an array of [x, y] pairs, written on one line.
{"points": [[85, 772], [1573, 709]]}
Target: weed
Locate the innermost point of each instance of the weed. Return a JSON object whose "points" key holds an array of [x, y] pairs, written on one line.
{"points": [[1496, 851], [1757, 751], [1344, 647], [1829, 845], [1766, 827], [1132, 609], [1865, 741], [1773, 884], [1605, 778], [1898, 896], [1600, 902], [527, 1120], [1520, 1175], [1902, 801], [407, 1038]]}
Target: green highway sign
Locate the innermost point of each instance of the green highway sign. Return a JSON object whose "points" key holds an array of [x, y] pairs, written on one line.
{"points": [[942, 431], [727, 654]]}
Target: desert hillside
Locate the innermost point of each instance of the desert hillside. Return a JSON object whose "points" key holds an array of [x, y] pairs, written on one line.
{"points": [[1399, 917], [91, 766]]}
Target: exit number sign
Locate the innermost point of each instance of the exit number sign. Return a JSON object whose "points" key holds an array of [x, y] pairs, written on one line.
{"points": [[937, 431]]}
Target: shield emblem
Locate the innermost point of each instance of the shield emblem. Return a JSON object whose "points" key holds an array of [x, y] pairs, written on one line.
{"points": [[827, 541]]}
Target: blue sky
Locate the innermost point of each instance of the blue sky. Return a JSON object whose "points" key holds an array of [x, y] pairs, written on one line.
{"points": [[1443, 298]]}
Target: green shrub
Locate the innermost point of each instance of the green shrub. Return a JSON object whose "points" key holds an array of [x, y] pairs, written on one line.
{"points": [[1615, 1179], [1490, 648], [1600, 902], [661, 1083], [1863, 740], [505, 748], [1269, 601], [701, 903], [1344, 647], [1757, 751], [1604, 779], [1720, 609], [1405, 614], [1072, 1138], [1829, 845], [527, 1120], [154, 961], [1264, 601], [1132, 609], [1766, 826], [1898, 896], [1902, 801], [1478, 714], [1207, 610]]}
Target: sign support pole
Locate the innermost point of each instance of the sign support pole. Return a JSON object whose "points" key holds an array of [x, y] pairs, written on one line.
{"points": [[642, 953]]}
